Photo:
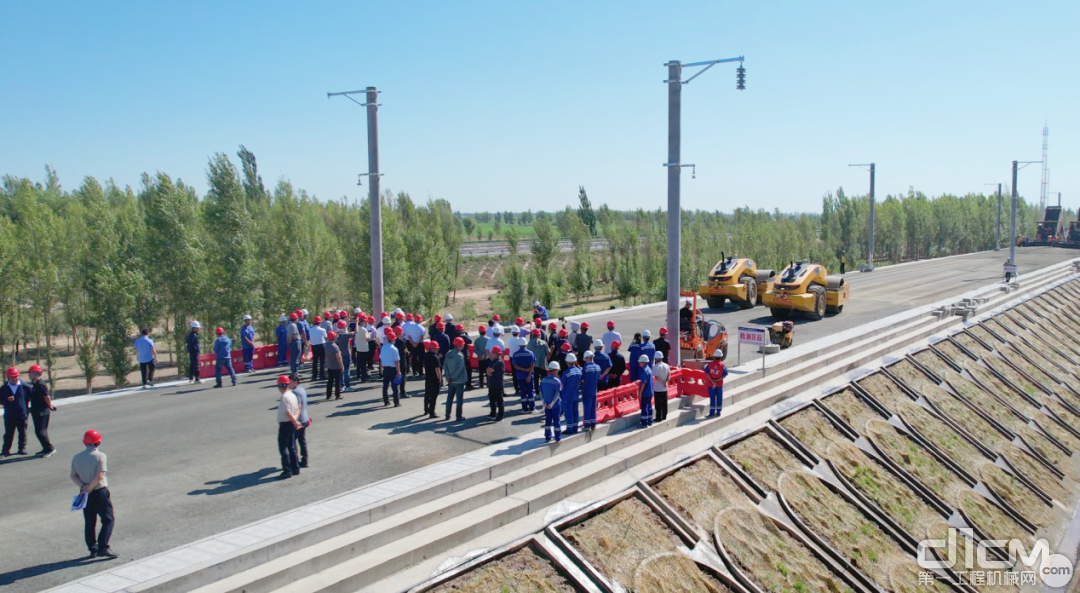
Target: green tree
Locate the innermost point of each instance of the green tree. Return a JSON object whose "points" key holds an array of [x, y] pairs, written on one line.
{"points": [[468, 225], [511, 237], [253, 183], [232, 256], [585, 211], [546, 245]]}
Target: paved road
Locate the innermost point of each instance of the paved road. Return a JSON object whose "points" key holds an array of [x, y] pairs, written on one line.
{"points": [[495, 248], [187, 462]]}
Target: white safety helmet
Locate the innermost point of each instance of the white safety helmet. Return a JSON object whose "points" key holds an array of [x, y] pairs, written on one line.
{"points": [[386, 320], [536, 303], [718, 353], [357, 311], [643, 358], [597, 344], [658, 355], [283, 318], [247, 317], [589, 354], [553, 366], [496, 330], [195, 325], [570, 357], [448, 317], [515, 329], [646, 334], [304, 311], [397, 310]]}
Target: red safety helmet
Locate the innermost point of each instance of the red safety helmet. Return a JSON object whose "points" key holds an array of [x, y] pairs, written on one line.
{"points": [[318, 319], [615, 344], [408, 317], [92, 437], [537, 321], [299, 312], [440, 326], [283, 380], [326, 314], [519, 321], [293, 316], [342, 325], [536, 331], [36, 368], [331, 334], [418, 318], [437, 318], [563, 333], [459, 341], [343, 313], [13, 373], [611, 325], [496, 318], [552, 325], [584, 325], [459, 327], [496, 350], [663, 331], [399, 315], [399, 330], [565, 347], [482, 329], [383, 314], [219, 330], [387, 331]]}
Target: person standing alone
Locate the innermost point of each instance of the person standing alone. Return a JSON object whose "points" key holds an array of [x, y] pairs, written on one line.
{"points": [[88, 472], [247, 344], [41, 407], [288, 419], [223, 357], [716, 370], [14, 395], [146, 354], [193, 353], [305, 420]]}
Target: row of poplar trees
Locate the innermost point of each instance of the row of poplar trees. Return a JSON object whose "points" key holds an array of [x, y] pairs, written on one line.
{"points": [[100, 261]]}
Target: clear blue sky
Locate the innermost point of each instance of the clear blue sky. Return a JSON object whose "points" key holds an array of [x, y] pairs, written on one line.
{"points": [[512, 105]]}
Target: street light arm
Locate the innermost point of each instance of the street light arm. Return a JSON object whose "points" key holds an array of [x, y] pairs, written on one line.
{"points": [[708, 64]]}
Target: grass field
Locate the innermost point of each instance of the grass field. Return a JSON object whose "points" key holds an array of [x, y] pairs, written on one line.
{"points": [[523, 231]]}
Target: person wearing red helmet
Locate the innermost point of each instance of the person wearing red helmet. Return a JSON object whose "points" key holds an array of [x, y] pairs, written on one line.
{"points": [[344, 343], [432, 376], [583, 341], [402, 346], [464, 336], [14, 395], [453, 366], [480, 347], [295, 338], [414, 341], [541, 352], [334, 365], [618, 365], [41, 407], [560, 355], [288, 419], [495, 370], [663, 346], [610, 337], [390, 363], [88, 472], [362, 343], [317, 340], [223, 357], [438, 334], [520, 322]]}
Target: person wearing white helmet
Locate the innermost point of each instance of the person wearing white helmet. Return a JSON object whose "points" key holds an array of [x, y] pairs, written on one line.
{"points": [[661, 376], [716, 370], [540, 311], [645, 389], [247, 344], [590, 381], [647, 347], [495, 339], [281, 332], [193, 353], [603, 361], [551, 392], [571, 393]]}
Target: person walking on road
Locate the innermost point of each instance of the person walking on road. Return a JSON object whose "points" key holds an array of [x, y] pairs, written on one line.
{"points": [[610, 336], [14, 395], [551, 393], [146, 355], [193, 353], [288, 419], [41, 407], [282, 334], [390, 360], [716, 370], [305, 420], [88, 472], [247, 344], [496, 382], [223, 357], [661, 376], [334, 365], [295, 337], [317, 339], [590, 380], [454, 371], [432, 377], [618, 365], [645, 390]]}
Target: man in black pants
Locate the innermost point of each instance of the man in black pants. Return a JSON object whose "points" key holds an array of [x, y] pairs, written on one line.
{"points": [[495, 370], [14, 395], [88, 472], [433, 377], [40, 408], [193, 353]]}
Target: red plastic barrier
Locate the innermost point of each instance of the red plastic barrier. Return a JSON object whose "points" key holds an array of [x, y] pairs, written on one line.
{"points": [[692, 382], [265, 357]]}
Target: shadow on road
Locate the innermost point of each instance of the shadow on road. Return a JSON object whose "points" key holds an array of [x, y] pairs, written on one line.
{"points": [[265, 475], [9, 578], [17, 458]]}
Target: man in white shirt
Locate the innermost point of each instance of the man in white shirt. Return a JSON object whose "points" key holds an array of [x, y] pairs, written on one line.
{"points": [[661, 376], [390, 360], [414, 336], [363, 350], [288, 418], [610, 336], [495, 339], [317, 339]]}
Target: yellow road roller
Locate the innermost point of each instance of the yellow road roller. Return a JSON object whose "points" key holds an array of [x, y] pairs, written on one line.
{"points": [[806, 287], [736, 279]]}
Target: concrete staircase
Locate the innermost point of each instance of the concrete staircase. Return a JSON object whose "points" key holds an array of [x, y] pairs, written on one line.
{"points": [[356, 549]]}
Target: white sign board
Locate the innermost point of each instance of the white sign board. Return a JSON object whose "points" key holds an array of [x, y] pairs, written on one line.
{"points": [[1010, 269], [752, 335]]}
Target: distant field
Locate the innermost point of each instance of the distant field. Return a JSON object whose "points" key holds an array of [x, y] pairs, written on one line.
{"points": [[487, 227]]}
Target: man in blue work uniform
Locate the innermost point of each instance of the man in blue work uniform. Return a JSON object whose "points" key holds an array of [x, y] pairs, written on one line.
{"points": [[648, 348], [604, 362], [633, 354], [539, 347], [645, 375], [571, 393], [523, 361], [294, 335], [479, 348], [223, 357], [193, 353], [590, 377], [247, 344], [282, 333], [551, 392], [14, 396], [540, 311]]}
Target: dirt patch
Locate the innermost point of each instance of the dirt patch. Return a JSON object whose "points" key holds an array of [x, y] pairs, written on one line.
{"points": [[913, 377], [813, 430], [673, 572], [983, 334], [778, 562], [851, 409], [952, 351], [1015, 493], [1063, 414], [898, 501], [988, 517], [1005, 326], [1042, 445], [1037, 473], [1000, 389], [931, 361], [1015, 378], [1045, 379], [702, 490], [910, 456], [884, 390], [619, 539], [847, 529], [941, 530], [959, 412], [970, 343], [523, 570], [763, 458]]}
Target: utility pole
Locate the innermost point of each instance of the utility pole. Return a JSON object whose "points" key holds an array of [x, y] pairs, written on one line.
{"points": [[1012, 220], [674, 165], [374, 201], [997, 242], [870, 246]]}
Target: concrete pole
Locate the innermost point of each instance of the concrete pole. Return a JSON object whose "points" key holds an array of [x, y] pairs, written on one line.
{"points": [[674, 208], [1012, 221], [997, 246], [871, 250], [375, 202]]}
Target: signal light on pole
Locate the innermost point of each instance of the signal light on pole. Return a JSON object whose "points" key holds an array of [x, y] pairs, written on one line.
{"points": [[740, 78]]}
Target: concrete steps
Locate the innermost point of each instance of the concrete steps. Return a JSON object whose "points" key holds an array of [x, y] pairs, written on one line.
{"points": [[425, 523]]}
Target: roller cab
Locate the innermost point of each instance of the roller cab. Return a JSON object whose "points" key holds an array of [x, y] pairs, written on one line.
{"points": [[736, 279]]}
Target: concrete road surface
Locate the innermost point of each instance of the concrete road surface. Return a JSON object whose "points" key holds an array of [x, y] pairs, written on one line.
{"points": [[187, 462]]}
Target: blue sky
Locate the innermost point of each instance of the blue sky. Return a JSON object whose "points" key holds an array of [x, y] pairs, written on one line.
{"points": [[512, 105]]}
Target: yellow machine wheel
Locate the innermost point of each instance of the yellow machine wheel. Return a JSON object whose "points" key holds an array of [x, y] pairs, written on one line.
{"points": [[716, 302], [819, 303], [780, 314], [751, 292]]}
